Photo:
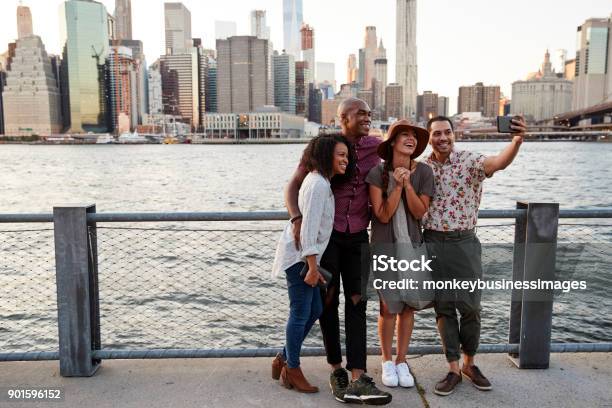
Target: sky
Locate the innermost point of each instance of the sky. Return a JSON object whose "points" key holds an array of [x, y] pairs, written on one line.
{"points": [[458, 42]]}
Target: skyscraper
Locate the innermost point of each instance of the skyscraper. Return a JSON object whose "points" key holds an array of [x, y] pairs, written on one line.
{"points": [[369, 54], [308, 52], [86, 42], [326, 75], [593, 73], [292, 22], [123, 19], [178, 28], [351, 69], [140, 83], [2, 84], [243, 74], [32, 103], [284, 81], [155, 89], [211, 86], [24, 22], [379, 84], [406, 55], [180, 85], [121, 83], [259, 28]]}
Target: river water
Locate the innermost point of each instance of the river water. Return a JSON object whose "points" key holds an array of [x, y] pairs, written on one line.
{"points": [[206, 285]]}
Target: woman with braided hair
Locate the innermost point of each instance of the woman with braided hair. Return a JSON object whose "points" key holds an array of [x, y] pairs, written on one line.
{"points": [[400, 191]]}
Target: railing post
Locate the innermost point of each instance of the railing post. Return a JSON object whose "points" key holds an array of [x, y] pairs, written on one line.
{"points": [[77, 297], [538, 253], [518, 272]]}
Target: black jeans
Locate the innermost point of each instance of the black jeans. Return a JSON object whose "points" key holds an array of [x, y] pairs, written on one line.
{"points": [[456, 255], [344, 258]]}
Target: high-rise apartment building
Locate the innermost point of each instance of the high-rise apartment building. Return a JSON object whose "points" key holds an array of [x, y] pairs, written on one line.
{"points": [[315, 99], [85, 35], [31, 97], [427, 106], [121, 89], [24, 22], [301, 88], [308, 51], [394, 99], [406, 55], [292, 22], [443, 105], [178, 28], [479, 98], [259, 27], [123, 19], [284, 81], [243, 74], [593, 73]]}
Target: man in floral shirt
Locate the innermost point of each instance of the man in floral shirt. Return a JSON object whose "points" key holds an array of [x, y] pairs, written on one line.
{"points": [[453, 245]]}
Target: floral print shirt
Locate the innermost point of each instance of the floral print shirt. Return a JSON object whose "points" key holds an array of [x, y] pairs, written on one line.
{"points": [[457, 193]]}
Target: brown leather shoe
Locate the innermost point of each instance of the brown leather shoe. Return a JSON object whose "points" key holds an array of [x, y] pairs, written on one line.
{"points": [[294, 378], [277, 365], [474, 374], [448, 384]]}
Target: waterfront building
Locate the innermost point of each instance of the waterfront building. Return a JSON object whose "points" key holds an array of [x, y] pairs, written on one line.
{"points": [[443, 105], [479, 98], [121, 93], [394, 100], [427, 106], [85, 35], [267, 124], [406, 55], [284, 81], [177, 27], [123, 19], [259, 27], [593, 72], [542, 95], [351, 69], [154, 82], [24, 22], [570, 69], [180, 85], [31, 97], [140, 104], [203, 60], [243, 74], [315, 99], [224, 29], [292, 22]]}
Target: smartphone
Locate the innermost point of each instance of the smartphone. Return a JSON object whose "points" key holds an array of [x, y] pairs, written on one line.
{"points": [[503, 124]]}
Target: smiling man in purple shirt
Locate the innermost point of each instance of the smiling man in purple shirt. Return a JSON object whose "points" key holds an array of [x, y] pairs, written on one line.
{"points": [[343, 258]]}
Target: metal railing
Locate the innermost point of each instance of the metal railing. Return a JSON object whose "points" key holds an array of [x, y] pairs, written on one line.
{"points": [[125, 286]]}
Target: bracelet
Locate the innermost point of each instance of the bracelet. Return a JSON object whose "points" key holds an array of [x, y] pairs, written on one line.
{"points": [[297, 217]]}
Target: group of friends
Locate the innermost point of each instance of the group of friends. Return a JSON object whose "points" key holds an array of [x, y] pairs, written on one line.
{"points": [[345, 183]]}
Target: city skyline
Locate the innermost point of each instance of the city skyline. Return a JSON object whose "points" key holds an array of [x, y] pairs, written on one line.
{"points": [[442, 69]]}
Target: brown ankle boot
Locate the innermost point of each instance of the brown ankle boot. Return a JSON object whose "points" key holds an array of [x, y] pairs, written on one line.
{"points": [[277, 365], [294, 378]]}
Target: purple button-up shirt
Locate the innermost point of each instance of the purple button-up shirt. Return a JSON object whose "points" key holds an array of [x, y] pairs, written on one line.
{"points": [[352, 197]]}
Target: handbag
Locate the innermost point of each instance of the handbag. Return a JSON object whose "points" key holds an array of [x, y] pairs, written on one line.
{"points": [[327, 275]]}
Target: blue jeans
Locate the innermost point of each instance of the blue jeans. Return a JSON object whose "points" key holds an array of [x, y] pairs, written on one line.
{"points": [[305, 307]]}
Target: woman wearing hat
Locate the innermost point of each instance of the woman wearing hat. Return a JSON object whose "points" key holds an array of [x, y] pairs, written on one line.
{"points": [[400, 191]]}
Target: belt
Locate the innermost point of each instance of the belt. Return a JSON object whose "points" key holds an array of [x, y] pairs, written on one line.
{"points": [[451, 234]]}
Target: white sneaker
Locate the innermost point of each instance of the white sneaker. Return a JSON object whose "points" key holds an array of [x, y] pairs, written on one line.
{"points": [[403, 373], [389, 375]]}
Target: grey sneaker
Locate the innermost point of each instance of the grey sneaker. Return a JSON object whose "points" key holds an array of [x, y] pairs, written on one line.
{"points": [[364, 391], [338, 381]]}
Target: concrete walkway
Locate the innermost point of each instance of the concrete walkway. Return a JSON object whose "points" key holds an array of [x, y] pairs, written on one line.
{"points": [[573, 380]]}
